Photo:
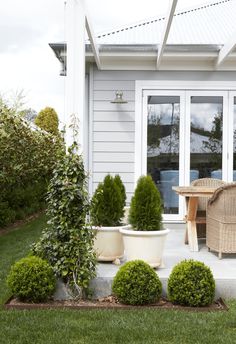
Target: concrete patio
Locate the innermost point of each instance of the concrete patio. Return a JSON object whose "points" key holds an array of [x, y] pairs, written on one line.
{"points": [[224, 270]]}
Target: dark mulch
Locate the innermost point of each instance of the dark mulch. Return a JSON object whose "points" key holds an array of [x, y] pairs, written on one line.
{"points": [[110, 302]]}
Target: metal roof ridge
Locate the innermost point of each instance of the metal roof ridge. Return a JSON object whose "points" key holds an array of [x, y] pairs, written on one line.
{"points": [[153, 20]]}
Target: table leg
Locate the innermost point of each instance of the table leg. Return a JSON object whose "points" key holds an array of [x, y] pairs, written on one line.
{"points": [[186, 236], [192, 205]]}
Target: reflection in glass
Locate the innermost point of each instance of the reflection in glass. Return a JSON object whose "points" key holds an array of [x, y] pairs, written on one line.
{"points": [[234, 158], [163, 147], [206, 136]]}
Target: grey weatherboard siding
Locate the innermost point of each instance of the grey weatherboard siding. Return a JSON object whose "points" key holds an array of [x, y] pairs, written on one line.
{"points": [[113, 126]]}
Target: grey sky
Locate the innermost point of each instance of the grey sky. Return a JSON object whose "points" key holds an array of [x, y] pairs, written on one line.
{"points": [[27, 26]]}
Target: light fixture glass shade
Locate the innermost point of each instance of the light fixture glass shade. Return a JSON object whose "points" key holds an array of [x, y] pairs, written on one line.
{"points": [[119, 98]]}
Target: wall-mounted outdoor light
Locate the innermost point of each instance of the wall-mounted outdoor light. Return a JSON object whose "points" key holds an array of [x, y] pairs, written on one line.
{"points": [[119, 98]]}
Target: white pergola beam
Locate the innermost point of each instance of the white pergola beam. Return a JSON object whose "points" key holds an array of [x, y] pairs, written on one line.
{"points": [[93, 42], [90, 32], [167, 26], [226, 50]]}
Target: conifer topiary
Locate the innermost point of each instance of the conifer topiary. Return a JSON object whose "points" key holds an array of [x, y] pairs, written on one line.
{"points": [[107, 204], [119, 182], [146, 206]]}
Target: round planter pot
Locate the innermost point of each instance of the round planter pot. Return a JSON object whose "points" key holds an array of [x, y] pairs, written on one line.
{"points": [[108, 243], [145, 245]]}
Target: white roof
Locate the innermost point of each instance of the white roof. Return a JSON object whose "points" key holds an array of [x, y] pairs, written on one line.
{"points": [[207, 24]]}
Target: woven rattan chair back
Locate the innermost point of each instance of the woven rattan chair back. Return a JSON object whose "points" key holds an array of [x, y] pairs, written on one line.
{"points": [[211, 182]]}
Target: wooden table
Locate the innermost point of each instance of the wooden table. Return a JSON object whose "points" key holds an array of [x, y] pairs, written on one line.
{"points": [[191, 194]]}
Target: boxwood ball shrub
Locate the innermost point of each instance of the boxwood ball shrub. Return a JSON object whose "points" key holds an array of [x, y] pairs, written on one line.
{"points": [[136, 283], [191, 283], [107, 205], [146, 206], [31, 279]]}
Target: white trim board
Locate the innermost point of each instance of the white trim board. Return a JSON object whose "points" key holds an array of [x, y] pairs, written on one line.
{"points": [[90, 131], [184, 85], [169, 62], [231, 143]]}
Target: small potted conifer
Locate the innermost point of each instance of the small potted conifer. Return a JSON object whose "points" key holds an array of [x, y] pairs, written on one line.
{"points": [[119, 182], [146, 238], [107, 211]]}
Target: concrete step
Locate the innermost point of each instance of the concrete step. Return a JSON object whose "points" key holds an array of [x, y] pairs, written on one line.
{"points": [[102, 284], [224, 270]]}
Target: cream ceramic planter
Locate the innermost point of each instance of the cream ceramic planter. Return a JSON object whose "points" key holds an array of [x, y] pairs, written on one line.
{"points": [[145, 245], [108, 243]]}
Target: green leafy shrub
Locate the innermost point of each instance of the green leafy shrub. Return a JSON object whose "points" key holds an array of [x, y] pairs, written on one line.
{"points": [[107, 204], [27, 158], [7, 215], [67, 242], [31, 279], [136, 283], [47, 120], [146, 206], [191, 283], [28, 200], [120, 184]]}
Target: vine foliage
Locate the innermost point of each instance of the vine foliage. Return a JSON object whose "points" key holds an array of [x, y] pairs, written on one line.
{"points": [[67, 242]]}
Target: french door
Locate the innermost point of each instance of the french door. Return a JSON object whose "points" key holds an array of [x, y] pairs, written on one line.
{"points": [[187, 135], [163, 146]]}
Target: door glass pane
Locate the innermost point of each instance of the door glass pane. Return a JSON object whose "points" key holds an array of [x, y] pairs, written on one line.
{"points": [[234, 159], [206, 137], [163, 147]]}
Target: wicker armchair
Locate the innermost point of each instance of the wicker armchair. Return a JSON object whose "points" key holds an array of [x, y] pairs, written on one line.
{"points": [[202, 204], [221, 220], [211, 182]]}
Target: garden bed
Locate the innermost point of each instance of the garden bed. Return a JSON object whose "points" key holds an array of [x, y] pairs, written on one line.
{"points": [[110, 302]]}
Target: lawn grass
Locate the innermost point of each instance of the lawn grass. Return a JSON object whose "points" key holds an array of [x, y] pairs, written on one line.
{"points": [[102, 326], [15, 245]]}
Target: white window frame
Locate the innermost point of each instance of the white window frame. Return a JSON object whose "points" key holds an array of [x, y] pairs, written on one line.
{"points": [[232, 95], [180, 94], [144, 87], [224, 94]]}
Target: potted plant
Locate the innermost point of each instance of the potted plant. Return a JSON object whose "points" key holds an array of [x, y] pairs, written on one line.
{"points": [[107, 211], [146, 238], [119, 182]]}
